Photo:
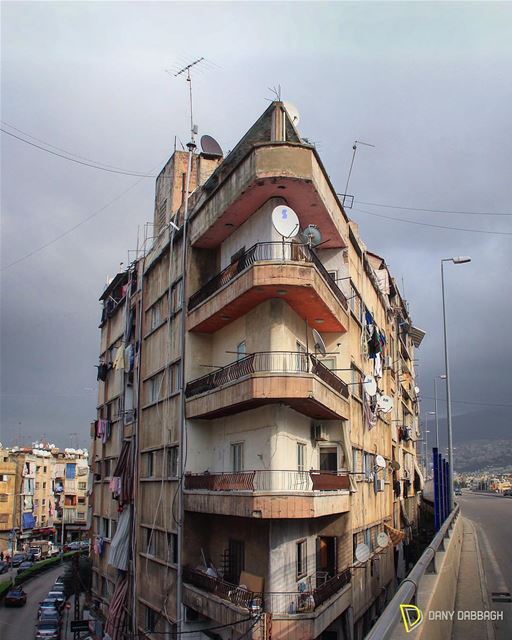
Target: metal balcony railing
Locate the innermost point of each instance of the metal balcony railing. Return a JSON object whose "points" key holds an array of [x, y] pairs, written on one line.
{"points": [[269, 480], [289, 603], [282, 362], [266, 252]]}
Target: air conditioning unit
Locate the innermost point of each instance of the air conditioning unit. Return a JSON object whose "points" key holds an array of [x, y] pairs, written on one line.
{"points": [[318, 432], [380, 485], [388, 362]]}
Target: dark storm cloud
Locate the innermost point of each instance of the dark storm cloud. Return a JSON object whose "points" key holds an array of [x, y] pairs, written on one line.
{"points": [[426, 83]]}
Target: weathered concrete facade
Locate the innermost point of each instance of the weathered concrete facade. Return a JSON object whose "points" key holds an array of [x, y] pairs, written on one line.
{"points": [[281, 481]]}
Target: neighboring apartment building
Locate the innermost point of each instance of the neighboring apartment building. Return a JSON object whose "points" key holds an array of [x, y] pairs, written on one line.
{"points": [[290, 465], [35, 492]]}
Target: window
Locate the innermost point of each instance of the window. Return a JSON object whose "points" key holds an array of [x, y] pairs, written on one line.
{"points": [[3, 497], [175, 377], [301, 456], [176, 294], [356, 378], [150, 619], [4, 477], [368, 465], [80, 515], [301, 357], [105, 528], [172, 462], [237, 456], [81, 500], [4, 518], [82, 485], [38, 484], [150, 464], [156, 314], [301, 559], [150, 545], [44, 485], [241, 350], [43, 502], [330, 363], [44, 469], [355, 461], [154, 386], [172, 547], [162, 209]]}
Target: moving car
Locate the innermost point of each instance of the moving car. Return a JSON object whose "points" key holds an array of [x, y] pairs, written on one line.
{"points": [[458, 492], [18, 558], [15, 598], [27, 564], [47, 631]]}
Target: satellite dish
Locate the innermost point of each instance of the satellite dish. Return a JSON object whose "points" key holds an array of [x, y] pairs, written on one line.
{"points": [[293, 112], [362, 553], [394, 465], [319, 342], [383, 539], [312, 235], [210, 147], [285, 221], [385, 403], [369, 385], [380, 462], [416, 390]]}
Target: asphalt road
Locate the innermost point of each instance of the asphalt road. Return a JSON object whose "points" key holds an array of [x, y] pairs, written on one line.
{"points": [[19, 623], [492, 516]]}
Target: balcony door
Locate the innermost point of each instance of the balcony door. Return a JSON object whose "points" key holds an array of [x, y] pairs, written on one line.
{"points": [[326, 561], [236, 560], [329, 459]]}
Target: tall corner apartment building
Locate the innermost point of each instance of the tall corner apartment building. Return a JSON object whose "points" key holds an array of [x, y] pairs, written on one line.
{"points": [[293, 466]]}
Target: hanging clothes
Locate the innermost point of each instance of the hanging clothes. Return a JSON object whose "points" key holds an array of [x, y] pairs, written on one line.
{"points": [[377, 366], [119, 359], [102, 372]]}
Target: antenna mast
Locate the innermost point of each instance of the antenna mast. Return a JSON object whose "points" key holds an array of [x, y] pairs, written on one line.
{"points": [[366, 144], [186, 70]]}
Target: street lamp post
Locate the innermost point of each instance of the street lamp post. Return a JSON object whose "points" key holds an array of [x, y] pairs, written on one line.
{"points": [[457, 260], [441, 377], [427, 414]]}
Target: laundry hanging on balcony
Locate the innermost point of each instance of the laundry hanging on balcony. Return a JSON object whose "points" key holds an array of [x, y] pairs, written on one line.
{"points": [[395, 535], [120, 545], [114, 626], [119, 359]]}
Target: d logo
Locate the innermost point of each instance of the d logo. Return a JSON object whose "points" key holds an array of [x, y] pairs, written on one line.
{"points": [[411, 616]]}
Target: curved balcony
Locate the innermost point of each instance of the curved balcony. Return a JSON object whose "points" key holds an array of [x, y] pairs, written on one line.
{"points": [[268, 493], [289, 270], [297, 379]]}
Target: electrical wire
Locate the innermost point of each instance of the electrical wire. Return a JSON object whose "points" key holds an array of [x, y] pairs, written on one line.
{"points": [[435, 226], [483, 404], [450, 211], [174, 634], [76, 160]]}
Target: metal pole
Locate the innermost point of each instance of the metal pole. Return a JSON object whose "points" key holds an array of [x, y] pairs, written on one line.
{"points": [[426, 448], [448, 396], [435, 409], [437, 520], [179, 582]]}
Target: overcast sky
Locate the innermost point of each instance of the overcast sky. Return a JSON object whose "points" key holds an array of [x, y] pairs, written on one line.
{"points": [[428, 84]]}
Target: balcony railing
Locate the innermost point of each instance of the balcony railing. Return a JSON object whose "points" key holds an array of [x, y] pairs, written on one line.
{"points": [[281, 362], [270, 252], [269, 480], [289, 603]]}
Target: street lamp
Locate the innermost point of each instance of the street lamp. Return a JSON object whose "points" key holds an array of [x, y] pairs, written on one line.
{"points": [[427, 414], [441, 377], [456, 260]]}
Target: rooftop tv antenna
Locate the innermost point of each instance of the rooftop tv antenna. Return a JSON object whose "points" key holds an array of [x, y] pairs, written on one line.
{"points": [[186, 69], [354, 148]]}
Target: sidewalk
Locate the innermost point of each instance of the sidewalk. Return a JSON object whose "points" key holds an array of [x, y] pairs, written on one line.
{"points": [[471, 592]]}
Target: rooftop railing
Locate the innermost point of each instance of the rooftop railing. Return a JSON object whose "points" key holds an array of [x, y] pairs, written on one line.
{"points": [[282, 362], [266, 252], [269, 480]]}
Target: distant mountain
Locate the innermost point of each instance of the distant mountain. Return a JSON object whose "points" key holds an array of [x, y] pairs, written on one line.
{"points": [[482, 439]]}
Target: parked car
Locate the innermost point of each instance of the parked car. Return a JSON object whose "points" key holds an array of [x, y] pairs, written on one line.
{"points": [[48, 605], [15, 598], [4, 567], [72, 546], [18, 558], [27, 564], [47, 631], [59, 580], [58, 587], [507, 493], [50, 615]]}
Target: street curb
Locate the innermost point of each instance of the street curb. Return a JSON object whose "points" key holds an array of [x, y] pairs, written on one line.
{"points": [[483, 581]]}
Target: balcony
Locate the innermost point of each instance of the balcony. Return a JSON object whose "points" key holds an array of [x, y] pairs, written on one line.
{"points": [[290, 271], [297, 379], [268, 493], [287, 170], [298, 615]]}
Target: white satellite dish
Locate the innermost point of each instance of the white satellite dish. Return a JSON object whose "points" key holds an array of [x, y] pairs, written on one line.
{"points": [[383, 539], [380, 462], [312, 235], [385, 403], [370, 385], [416, 390], [362, 552], [319, 342], [285, 221], [293, 112]]}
